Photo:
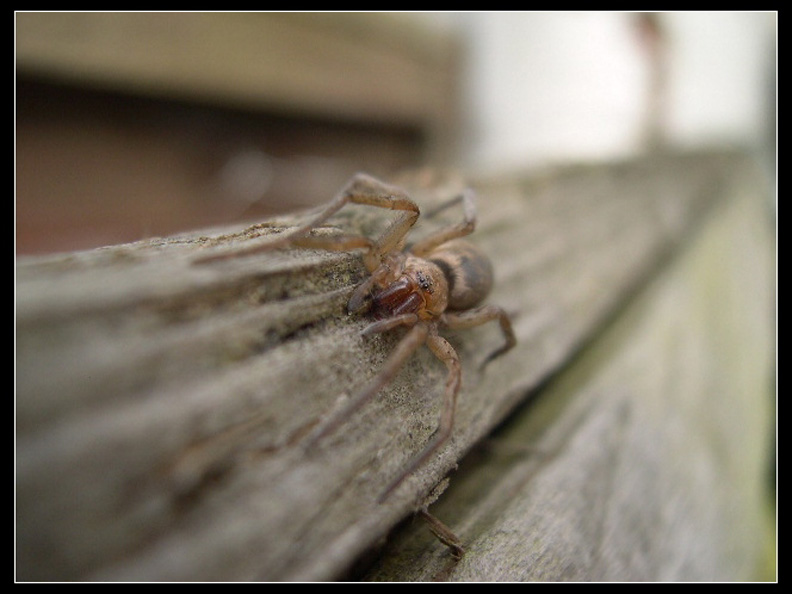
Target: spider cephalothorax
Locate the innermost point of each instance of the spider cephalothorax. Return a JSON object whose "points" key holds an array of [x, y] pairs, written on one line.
{"points": [[420, 288]]}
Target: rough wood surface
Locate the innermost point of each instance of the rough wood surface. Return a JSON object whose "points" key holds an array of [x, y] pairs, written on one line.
{"points": [[162, 406], [648, 458]]}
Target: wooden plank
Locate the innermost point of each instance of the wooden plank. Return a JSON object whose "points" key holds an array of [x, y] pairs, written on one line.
{"points": [[648, 457], [162, 406], [359, 67]]}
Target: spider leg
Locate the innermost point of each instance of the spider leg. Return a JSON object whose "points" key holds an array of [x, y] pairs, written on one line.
{"points": [[441, 236], [482, 315], [408, 345], [361, 189], [408, 319], [446, 353], [332, 243], [447, 204], [443, 533]]}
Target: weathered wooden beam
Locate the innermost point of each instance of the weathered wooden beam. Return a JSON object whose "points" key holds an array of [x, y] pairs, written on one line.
{"points": [[301, 63], [648, 457], [162, 406]]}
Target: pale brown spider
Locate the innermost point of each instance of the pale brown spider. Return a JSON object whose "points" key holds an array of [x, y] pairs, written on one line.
{"points": [[439, 281]]}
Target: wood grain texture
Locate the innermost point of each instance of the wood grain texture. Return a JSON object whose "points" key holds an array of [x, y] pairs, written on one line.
{"points": [[162, 406], [648, 457]]}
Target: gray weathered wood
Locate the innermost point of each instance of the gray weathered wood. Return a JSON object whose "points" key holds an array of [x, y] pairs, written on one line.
{"points": [[648, 457], [162, 405]]}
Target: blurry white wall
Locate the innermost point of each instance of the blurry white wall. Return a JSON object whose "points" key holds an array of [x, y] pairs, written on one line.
{"points": [[544, 87]]}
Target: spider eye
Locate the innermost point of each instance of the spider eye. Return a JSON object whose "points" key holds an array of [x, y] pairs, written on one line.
{"points": [[424, 282]]}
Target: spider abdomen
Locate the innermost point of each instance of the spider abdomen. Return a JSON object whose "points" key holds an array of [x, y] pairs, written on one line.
{"points": [[468, 273]]}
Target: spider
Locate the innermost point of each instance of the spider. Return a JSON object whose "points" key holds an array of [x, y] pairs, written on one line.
{"points": [[439, 282]]}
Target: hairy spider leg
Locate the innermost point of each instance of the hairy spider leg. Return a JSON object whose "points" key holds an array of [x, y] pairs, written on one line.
{"points": [[446, 353], [365, 190], [361, 189], [443, 350], [482, 315], [406, 347], [446, 234]]}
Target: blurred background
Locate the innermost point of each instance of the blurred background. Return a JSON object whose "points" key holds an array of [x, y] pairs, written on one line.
{"points": [[133, 125]]}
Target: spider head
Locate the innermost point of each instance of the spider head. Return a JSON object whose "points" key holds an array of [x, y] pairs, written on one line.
{"points": [[420, 288]]}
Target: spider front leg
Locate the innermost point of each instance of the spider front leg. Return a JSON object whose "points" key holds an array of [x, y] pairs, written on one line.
{"points": [[408, 345], [365, 190], [446, 234], [443, 350], [361, 189]]}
